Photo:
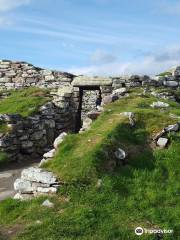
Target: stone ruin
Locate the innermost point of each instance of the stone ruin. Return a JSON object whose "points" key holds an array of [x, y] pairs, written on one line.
{"points": [[72, 99]]}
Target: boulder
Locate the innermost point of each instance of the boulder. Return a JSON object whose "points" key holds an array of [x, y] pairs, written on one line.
{"points": [[162, 142], [159, 105], [59, 139]]}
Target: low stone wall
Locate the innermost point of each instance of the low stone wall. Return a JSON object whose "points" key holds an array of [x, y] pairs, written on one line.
{"points": [[32, 136]]}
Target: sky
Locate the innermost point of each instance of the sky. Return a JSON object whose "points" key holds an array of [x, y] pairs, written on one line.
{"points": [[93, 37]]}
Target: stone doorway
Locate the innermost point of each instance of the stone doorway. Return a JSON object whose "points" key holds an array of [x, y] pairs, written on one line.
{"points": [[87, 102]]}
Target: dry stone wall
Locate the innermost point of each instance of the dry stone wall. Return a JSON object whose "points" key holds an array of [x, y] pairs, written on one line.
{"points": [[32, 136], [89, 101], [35, 134], [15, 75]]}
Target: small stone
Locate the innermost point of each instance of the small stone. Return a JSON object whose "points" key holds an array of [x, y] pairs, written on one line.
{"points": [[47, 190], [23, 197], [38, 222], [158, 135], [162, 142], [120, 154], [172, 128], [159, 105], [49, 154], [48, 204], [99, 183], [131, 117]]}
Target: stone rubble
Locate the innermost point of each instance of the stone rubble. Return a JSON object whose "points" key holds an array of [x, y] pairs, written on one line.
{"points": [[161, 139], [35, 181], [38, 134]]}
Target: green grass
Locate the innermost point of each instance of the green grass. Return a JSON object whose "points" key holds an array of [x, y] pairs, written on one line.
{"points": [[165, 74], [25, 102], [145, 192]]}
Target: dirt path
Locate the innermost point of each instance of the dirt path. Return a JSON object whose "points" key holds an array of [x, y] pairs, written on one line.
{"points": [[9, 175]]}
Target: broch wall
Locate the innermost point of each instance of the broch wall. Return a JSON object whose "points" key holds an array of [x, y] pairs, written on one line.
{"points": [[35, 135]]}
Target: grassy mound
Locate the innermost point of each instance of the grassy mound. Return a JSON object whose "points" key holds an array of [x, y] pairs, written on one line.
{"points": [[25, 102], [144, 192]]}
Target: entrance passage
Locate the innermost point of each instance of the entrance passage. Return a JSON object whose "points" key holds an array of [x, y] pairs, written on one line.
{"points": [[89, 97]]}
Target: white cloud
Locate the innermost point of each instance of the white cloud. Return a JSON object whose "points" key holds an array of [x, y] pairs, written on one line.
{"points": [[7, 5], [102, 57], [5, 21], [150, 65], [172, 8]]}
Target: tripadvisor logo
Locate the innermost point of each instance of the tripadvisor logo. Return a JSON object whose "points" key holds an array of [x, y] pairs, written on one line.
{"points": [[139, 231]]}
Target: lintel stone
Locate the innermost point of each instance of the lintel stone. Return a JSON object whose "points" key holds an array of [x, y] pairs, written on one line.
{"points": [[83, 81]]}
